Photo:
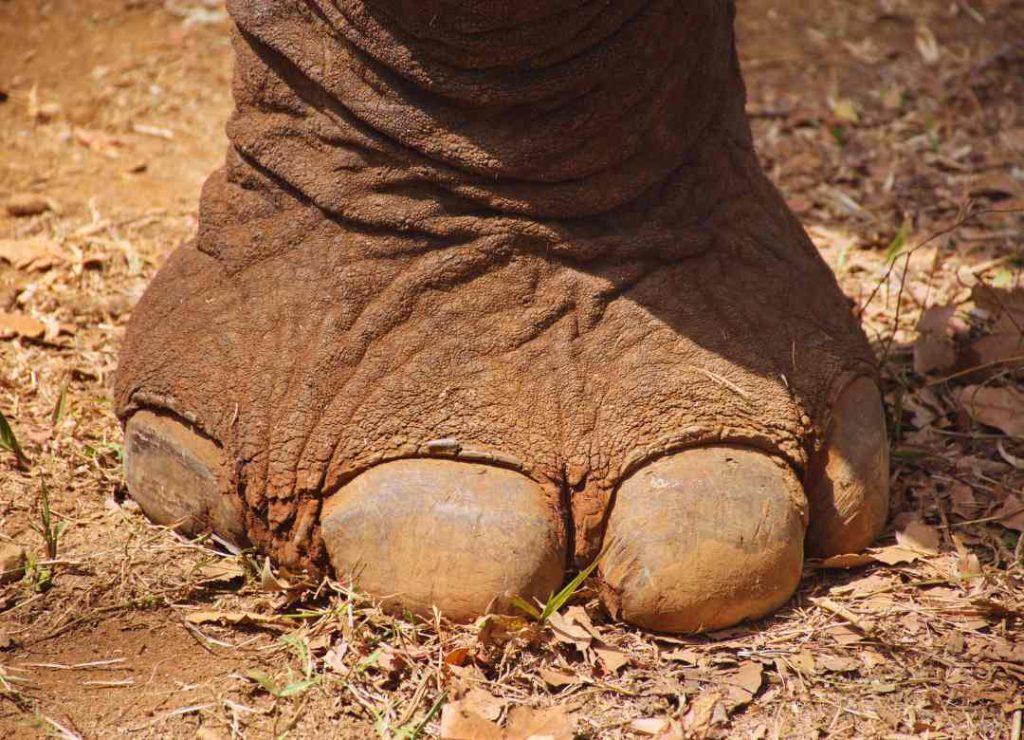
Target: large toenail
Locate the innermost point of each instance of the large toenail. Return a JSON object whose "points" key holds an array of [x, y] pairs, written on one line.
{"points": [[704, 539], [848, 485], [179, 479], [460, 536]]}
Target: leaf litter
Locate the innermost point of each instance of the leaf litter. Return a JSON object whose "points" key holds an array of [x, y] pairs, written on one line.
{"points": [[902, 158]]}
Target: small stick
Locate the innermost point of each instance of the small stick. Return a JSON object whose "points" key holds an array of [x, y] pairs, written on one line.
{"points": [[842, 612]]}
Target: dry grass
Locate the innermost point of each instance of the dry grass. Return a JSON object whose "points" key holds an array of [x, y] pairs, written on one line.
{"points": [[894, 129]]}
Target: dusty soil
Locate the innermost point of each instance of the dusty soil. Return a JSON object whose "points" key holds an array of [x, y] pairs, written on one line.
{"points": [[894, 129]]}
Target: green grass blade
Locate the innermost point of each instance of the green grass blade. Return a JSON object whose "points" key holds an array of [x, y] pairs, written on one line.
{"points": [[525, 606], [9, 441], [557, 601]]}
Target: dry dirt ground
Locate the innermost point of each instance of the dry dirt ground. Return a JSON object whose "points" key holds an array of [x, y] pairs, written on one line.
{"points": [[894, 127]]}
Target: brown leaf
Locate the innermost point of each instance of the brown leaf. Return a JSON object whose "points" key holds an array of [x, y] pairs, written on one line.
{"points": [[649, 725], [20, 325], [32, 254], [483, 704], [221, 571], [837, 664], [705, 712], [961, 496], [557, 679], [933, 349], [920, 537], [742, 684], [460, 656], [553, 723], [207, 616], [683, 655], [611, 658], [496, 630], [895, 555], [1011, 513], [999, 407], [458, 722], [846, 561], [568, 631]]}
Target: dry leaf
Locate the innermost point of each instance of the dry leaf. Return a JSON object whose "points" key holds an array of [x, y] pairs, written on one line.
{"points": [[705, 712], [230, 617], [20, 325], [557, 679], [649, 726], [962, 498], [927, 44], [933, 348], [568, 631], [1002, 408], [683, 655], [803, 662], [611, 658], [35, 253], [1011, 513], [920, 537], [553, 723], [845, 561], [221, 571], [837, 664], [460, 723], [459, 656], [483, 704]]}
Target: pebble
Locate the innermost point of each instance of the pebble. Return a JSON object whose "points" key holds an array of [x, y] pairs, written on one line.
{"points": [[12, 562], [27, 204]]}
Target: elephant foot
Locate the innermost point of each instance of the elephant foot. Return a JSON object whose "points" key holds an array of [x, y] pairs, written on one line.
{"points": [[697, 540]]}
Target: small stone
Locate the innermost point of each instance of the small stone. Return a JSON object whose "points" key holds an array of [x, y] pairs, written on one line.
{"points": [[12, 562], [27, 204]]}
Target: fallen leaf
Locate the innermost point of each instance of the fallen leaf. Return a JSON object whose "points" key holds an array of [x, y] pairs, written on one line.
{"points": [[20, 325], [998, 407], [742, 684], [683, 655], [927, 44], [961, 496], [35, 253], [837, 664], [845, 561], [459, 656], [557, 679], [933, 348], [611, 658], [458, 722], [1011, 513], [231, 617], [649, 725], [920, 537], [483, 704], [221, 571], [553, 723], [705, 712], [568, 631]]}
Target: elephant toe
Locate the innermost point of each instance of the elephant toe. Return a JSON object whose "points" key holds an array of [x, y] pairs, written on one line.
{"points": [[179, 477], [459, 536], [848, 489], [703, 539]]}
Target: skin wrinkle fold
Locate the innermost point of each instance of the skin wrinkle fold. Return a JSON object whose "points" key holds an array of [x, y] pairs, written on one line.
{"points": [[354, 298]]}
